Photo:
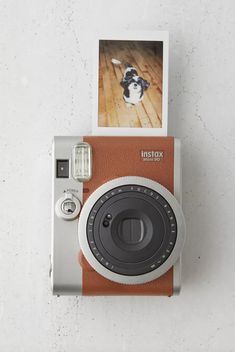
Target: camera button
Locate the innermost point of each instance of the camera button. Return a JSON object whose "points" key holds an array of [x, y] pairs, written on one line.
{"points": [[68, 207]]}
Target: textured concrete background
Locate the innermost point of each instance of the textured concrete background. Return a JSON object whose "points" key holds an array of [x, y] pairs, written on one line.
{"points": [[45, 82]]}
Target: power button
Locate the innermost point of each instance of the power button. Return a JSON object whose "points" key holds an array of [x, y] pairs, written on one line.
{"points": [[67, 207]]}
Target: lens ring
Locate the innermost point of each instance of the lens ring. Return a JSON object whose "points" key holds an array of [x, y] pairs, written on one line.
{"points": [[85, 246], [130, 258]]}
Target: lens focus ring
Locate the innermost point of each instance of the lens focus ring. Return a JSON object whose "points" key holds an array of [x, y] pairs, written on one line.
{"points": [[131, 230]]}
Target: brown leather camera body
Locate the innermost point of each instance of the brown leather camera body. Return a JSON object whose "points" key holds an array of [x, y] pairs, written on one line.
{"points": [[114, 157]]}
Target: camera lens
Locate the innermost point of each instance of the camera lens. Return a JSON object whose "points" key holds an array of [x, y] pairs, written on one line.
{"points": [[141, 235]]}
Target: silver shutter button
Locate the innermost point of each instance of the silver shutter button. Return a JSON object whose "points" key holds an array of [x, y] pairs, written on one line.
{"points": [[67, 207]]}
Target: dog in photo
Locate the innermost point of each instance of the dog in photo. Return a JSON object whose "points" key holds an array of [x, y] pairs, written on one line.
{"points": [[133, 85]]}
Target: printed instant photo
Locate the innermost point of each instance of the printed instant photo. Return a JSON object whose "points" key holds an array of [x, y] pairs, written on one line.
{"points": [[131, 85]]}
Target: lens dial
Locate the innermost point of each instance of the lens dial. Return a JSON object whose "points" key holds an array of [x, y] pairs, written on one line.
{"points": [[131, 230]]}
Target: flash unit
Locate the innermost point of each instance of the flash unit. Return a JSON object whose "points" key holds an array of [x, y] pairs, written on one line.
{"points": [[82, 162]]}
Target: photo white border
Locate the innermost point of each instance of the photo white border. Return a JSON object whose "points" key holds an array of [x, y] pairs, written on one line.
{"points": [[131, 131]]}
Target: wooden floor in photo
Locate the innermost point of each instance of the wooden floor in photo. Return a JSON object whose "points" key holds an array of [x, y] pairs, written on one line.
{"points": [[147, 59]]}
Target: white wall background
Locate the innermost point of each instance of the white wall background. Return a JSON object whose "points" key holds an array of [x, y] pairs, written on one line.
{"points": [[45, 90]]}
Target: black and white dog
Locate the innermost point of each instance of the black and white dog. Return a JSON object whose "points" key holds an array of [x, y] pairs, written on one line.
{"points": [[133, 85]]}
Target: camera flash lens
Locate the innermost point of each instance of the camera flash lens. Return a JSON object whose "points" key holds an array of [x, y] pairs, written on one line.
{"points": [[81, 162]]}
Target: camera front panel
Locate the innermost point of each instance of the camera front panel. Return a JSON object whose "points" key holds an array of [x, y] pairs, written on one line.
{"points": [[81, 165], [131, 230]]}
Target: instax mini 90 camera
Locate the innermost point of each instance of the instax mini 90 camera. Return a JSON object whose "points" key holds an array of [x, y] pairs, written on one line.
{"points": [[117, 223]]}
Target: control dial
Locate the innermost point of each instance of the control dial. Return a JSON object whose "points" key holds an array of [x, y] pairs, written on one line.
{"points": [[67, 207]]}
